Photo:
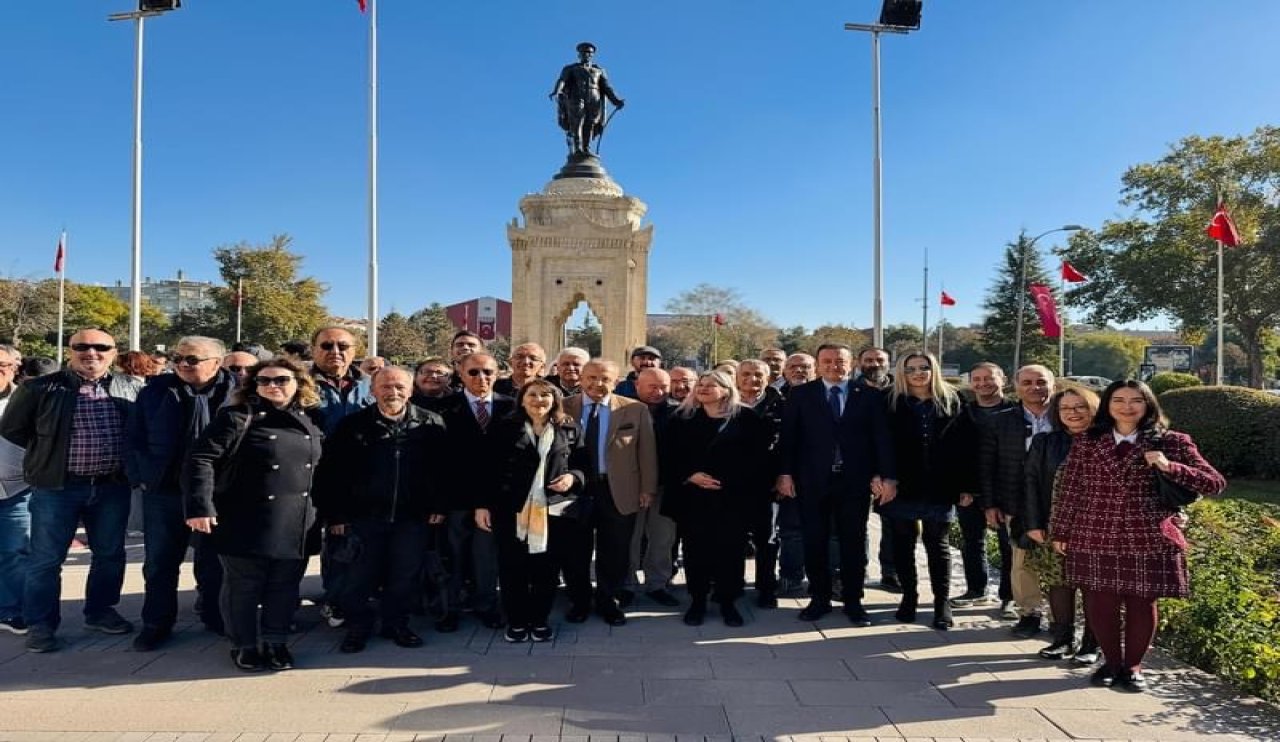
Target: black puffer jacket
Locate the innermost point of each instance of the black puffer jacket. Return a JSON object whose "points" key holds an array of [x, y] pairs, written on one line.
{"points": [[1001, 458], [1048, 452]]}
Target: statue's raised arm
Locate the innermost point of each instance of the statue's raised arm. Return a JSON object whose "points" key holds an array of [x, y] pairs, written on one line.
{"points": [[580, 92]]}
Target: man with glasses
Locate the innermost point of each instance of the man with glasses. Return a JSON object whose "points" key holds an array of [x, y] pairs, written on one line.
{"points": [[238, 364], [682, 380], [431, 388], [172, 410], [15, 517], [469, 418], [72, 425], [527, 363]]}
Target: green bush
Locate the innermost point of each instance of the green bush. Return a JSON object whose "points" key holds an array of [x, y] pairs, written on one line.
{"points": [[1230, 625], [1237, 429], [1167, 380]]}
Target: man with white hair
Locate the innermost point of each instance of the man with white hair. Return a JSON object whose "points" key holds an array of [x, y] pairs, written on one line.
{"points": [[172, 410], [568, 375]]}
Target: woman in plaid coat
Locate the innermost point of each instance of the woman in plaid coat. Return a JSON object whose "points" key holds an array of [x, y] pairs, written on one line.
{"points": [[1122, 545]]}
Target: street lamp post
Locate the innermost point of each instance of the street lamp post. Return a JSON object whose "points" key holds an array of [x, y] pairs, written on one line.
{"points": [[146, 10], [1027, 247]]}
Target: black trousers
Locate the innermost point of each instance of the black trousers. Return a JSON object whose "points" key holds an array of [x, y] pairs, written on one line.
{"points": [[760, 523], [390, 558], [973, 527], [843, 505], [713, 539], [167, 539], [528, 581], [249, 582], [934, 534], [473, 560], [613, 542]]}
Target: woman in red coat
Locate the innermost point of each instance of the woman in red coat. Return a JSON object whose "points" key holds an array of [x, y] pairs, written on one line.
{"points": [[1122, 545]]}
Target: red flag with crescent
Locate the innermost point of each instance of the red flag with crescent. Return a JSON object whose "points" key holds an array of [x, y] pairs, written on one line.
{"points": [[62, 254], [1047, 308], [947, 301], [1221, 228], [1070, 274]]}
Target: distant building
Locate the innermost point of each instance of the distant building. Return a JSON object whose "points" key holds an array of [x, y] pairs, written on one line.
{"points": [[172, 296], [486, 316]]}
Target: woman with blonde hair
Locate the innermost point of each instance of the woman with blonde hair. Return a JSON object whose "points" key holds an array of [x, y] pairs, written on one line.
{"points": [[248, 483], [934, 440]]}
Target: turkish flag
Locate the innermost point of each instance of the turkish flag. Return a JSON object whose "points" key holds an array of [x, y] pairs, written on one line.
{"points": [[1047, 309], [947, 301], [61, 255], [1221, 228], [718, 319], [1070, 274], [364, 5]]}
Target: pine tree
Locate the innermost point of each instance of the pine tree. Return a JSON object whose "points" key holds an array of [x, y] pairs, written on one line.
{"points": [[1001, 306]]}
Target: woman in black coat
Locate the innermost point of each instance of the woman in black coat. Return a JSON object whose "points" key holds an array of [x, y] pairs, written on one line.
{"points": [[934, 442], [715, 455], [539, 520], [248, 483]]}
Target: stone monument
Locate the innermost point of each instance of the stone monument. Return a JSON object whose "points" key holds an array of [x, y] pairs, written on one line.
{"points": [[581, 239]]}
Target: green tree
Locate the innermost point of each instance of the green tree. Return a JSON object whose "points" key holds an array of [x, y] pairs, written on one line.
{"points": [[901, 338], [399, 341], [588, 336], [1159, 261], [28, 309], [794, 339], [744, 334], [279, 304], [961, 346], [999, 327], [1108, 354], [436, 329]]}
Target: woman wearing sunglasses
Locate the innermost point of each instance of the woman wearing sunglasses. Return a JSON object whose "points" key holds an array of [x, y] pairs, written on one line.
{"points": [[248, 483], [934, 442]]}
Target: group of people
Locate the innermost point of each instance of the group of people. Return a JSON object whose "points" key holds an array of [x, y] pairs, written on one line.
{"points": [[483, 491]]}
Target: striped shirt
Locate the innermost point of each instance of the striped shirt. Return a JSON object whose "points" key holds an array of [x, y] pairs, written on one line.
{"points": [[97, 431]]}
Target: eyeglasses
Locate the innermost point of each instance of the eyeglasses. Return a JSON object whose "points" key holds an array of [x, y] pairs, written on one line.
{"points": [[237, 369], [1074, 408], [526, 357], [330, 345], [917, 369], [481, 371], [191, 360], [437, 374], [86, 347], [280, 381]]}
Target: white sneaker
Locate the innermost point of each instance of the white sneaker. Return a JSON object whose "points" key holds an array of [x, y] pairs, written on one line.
{"points": [[1009, 611]]}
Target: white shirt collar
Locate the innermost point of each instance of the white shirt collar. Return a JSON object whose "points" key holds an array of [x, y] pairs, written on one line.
{"points": [[1132, 437], [472, 399]]}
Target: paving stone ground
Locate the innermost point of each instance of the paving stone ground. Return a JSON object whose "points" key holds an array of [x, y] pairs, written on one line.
{"points": [[776, 678]]}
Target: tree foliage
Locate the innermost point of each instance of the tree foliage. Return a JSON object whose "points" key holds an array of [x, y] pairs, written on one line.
{"points": [[437, 331], [279, 304], [399, 341], [744, 334], [999, 327], [1159, 261], [1108, 354]]}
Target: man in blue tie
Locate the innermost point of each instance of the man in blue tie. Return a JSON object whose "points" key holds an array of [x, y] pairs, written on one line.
{"points": [[834, 445]]}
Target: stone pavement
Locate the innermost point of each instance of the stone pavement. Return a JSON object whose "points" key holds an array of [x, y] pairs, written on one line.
{"points": [[775, 678]]}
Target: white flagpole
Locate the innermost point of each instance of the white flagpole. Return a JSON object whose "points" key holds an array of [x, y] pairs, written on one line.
{"points": [[1062, 321], [1220, 313], [372, 331], [62, 294], [942, 323]]}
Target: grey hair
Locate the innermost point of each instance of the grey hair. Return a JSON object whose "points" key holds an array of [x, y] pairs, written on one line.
{"points": [[11, 351], [733, 402], [578, 353], [219, 348]]}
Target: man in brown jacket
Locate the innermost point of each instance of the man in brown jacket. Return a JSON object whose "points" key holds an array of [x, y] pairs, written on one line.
{"points": [[621, 479]]}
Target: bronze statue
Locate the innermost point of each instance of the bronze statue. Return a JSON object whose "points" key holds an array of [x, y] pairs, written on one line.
{"points": [[579, 95]]}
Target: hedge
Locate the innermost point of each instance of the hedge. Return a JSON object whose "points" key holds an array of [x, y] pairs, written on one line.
{"points": [[1168, 380], [1237, 429], [1230, 625]]}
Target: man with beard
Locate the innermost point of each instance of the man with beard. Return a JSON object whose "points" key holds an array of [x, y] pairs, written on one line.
{"points": [[645, 356], [682, 380], [776, 359], [755, 392]]}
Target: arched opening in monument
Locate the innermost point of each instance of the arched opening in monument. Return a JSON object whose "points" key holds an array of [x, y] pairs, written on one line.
{"points": [[580, 327]]}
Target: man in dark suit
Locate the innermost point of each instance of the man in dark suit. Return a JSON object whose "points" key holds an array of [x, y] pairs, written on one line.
{"points": [[835, 452], [621, 481], [468, 418]]}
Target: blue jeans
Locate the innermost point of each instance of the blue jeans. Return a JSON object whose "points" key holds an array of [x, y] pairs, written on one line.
{"points": [[15, 549], [104, 509]]}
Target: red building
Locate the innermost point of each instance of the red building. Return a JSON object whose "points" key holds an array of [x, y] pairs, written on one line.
{"points": [[487, 317]]}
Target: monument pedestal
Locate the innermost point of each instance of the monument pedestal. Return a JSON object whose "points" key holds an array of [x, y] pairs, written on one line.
{"points": [[581, 240]]}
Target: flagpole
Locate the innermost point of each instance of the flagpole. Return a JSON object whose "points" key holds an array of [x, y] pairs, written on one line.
{"points": [[239, 306], [1220, 313], [62, 294], [372, 331], [1062, 320], [942, 308], [924, 301]]}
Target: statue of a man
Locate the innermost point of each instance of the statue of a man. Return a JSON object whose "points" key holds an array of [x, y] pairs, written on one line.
{"points": [[579, 96]]}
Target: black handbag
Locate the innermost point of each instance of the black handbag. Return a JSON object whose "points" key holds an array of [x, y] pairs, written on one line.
{"points": [[1171, 494]]}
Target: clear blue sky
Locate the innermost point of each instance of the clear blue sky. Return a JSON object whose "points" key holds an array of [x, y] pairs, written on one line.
{"points": [[747, 131]]}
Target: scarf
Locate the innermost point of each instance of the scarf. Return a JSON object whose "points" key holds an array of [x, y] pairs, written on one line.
{"points": [[531, 522]]}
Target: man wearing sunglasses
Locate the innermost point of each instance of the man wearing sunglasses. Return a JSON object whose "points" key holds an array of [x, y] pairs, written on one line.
{"points": [[469, 418], [72, 425], [172, 411], [238, 363]]}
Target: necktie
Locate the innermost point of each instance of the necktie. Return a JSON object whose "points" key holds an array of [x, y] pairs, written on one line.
{"points": [[592, 437], [482, 414], [833, 398]]}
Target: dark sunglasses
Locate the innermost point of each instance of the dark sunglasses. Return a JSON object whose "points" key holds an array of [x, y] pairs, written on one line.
{"points": [[480, 372], [280, 381], [191, 360], [237, 369], [86, 347], [330, 345]]}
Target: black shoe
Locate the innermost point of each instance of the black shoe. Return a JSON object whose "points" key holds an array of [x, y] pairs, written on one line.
{"points": [[448, 624], [857, 615], [248, 660], [403, 636], [906, 612], [277, 656], [491, 619], [14, 625], [611, 614], [577, 614], [41, 641], [890, 584], [353, 642], [942, 618], [540, 634], [108, 622], [766, 599], [1027, 627], [661, 597], [150, 638], [1088, 653], [729, 612], [1131, 681], [515, 635], [696, 613], [625, 598], [815, 610], [1063, 646], [1103, 677]]}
